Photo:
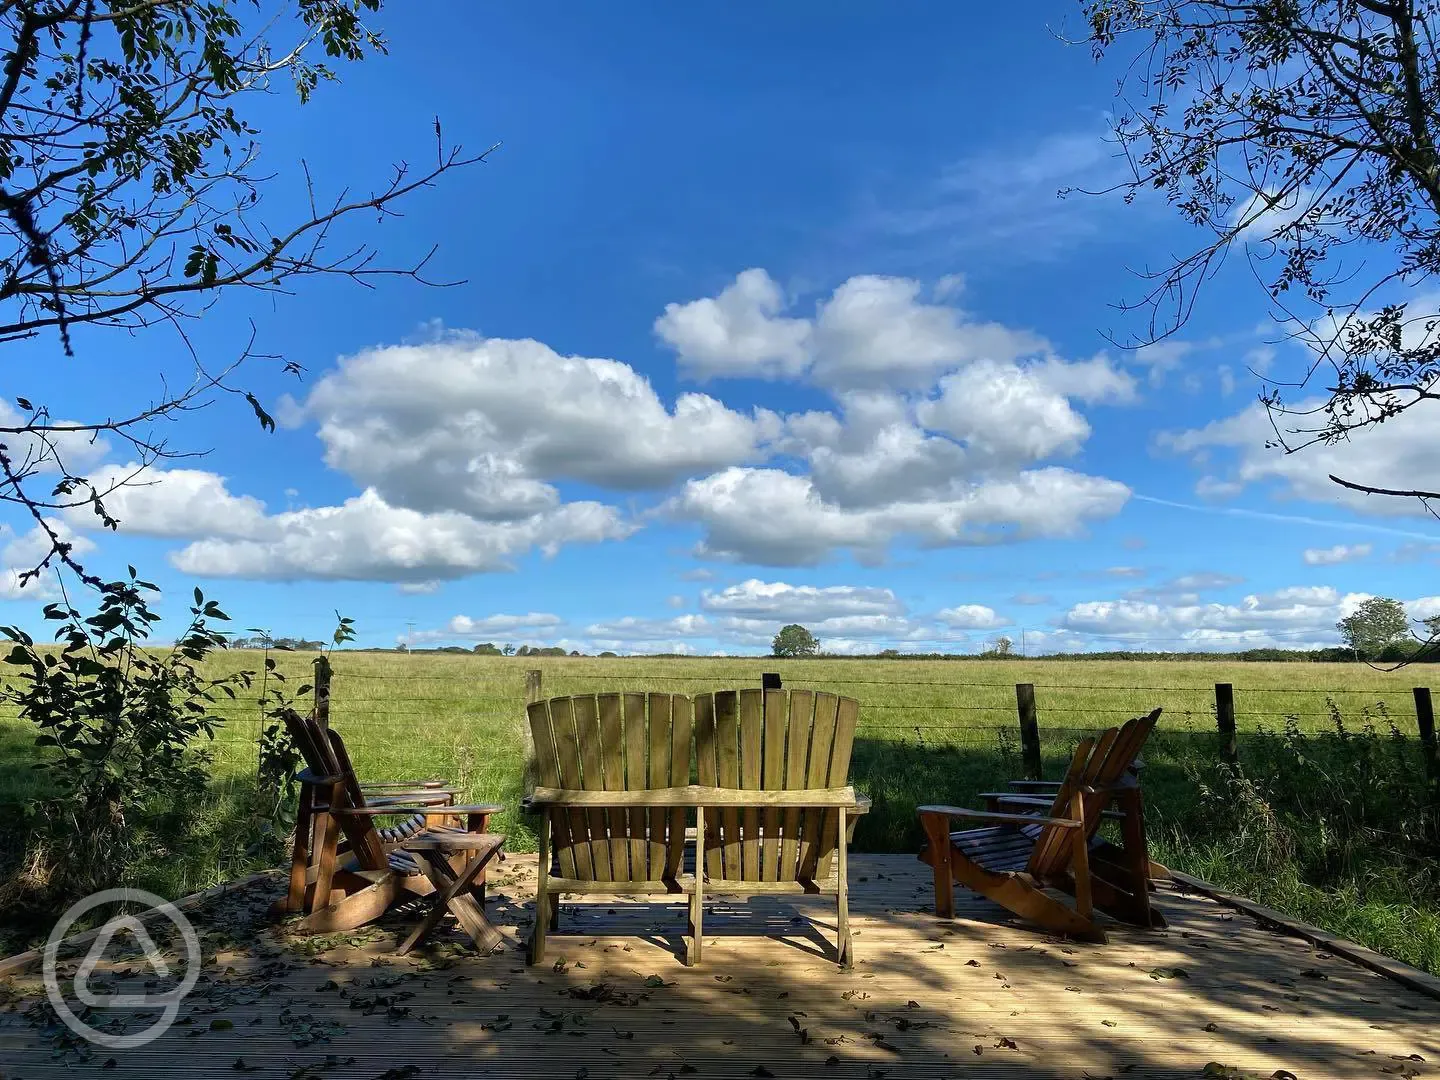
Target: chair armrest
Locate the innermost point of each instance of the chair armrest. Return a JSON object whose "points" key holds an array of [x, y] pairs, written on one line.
{"points": [[862, 806], [310, 776], [1006, 799], [1048, 784], [427, 798], [695, 795], [1118, 788], [991, 815], [445, 810], [407, 784]]}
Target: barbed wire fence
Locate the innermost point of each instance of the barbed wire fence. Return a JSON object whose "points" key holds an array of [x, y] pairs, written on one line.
{"points": [[1042, 720]]}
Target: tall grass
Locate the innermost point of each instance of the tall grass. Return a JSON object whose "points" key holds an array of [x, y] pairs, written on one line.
{"points": [[1322, 821]]}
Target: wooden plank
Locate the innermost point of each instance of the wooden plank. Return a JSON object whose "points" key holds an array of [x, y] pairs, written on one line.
{"points": [[727, 775], [752, 707], [13, 965], [797, 755], [1404, 974], [817, 775], [706, 770], [657, 776], [1349, 1024], [625, 888], [847, 715], [612, 769], [547, 768], [696, 795], [592, 778], [682, 725], [636, 779], [777, 724], [567, 754], [1053, 841]]}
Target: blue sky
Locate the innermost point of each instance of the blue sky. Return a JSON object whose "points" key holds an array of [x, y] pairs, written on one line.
{"points": [[769, 315]]}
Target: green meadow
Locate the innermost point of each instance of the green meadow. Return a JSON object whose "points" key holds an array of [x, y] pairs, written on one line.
{"points": [[1326, 820]]}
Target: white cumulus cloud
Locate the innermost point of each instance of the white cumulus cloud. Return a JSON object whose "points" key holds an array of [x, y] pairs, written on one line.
{"points": [[1340, 553], [366, 538]]}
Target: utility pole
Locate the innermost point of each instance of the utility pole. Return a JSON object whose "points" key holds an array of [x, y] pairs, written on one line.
{"points": [[409, 637], [1022, 642]]}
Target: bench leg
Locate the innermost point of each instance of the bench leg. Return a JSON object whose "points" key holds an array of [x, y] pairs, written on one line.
{"points": [[536, 954], [697, 897], [842, 898]]}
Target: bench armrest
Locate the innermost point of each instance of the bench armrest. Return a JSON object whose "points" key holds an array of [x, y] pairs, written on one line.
{"points": [[695, 795], [444, 810], [991, 815]]}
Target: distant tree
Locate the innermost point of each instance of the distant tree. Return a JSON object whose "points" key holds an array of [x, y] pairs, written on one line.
{"points": [[1377, 623], [508, 650], [574, 652], [1003, 647], [487, 649], [608, 653], [793, 641]]}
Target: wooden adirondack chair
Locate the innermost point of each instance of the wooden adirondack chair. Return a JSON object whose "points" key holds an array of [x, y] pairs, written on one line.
{"points": [[344, 883], [1014, 860], [615, 792]]}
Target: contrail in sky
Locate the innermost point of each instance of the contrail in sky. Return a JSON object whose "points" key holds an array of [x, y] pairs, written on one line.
{"points": [[1292, 519]]}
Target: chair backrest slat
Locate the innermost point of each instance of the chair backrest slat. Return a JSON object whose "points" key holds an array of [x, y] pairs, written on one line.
{"points": [[633, 778], [751, 718], [706, 772], [817, 775], [549, 747], [1099, 763], [681, 753], [776, 715], [1050, 843], [324, 753], [797, 756]]}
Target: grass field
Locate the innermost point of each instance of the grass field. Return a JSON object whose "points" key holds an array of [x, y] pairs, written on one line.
{"points": [[929, 731]]}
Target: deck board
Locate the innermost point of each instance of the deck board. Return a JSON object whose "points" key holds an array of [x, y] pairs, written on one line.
{"points": [[926, 998]]}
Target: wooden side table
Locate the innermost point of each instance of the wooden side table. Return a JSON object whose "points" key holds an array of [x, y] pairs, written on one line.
{"points": [[455, 892]]}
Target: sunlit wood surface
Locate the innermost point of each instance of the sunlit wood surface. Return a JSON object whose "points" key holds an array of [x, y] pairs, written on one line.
{"points": [[979, 996]]}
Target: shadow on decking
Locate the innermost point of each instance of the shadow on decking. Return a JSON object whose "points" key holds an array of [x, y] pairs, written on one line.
{"points": [[978, 996]]}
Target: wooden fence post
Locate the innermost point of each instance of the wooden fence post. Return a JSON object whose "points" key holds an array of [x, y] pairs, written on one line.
{"points": [[322, 691], [1425, 719], [770, 680], [533, 690], [1029, 729], [1225, 722]]}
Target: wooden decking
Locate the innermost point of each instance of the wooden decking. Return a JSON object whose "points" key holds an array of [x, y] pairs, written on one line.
{"points": [[980, 996]]}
